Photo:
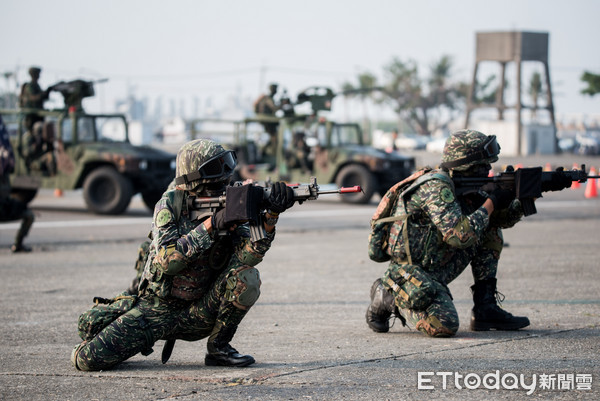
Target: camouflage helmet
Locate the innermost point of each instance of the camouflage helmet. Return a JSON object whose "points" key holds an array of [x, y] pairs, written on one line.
{"points": [[203, 161], [467, 148]]}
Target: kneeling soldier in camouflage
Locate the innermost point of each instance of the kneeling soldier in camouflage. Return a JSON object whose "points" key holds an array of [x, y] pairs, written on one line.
{"points": [[430, 236], [200, 279]]}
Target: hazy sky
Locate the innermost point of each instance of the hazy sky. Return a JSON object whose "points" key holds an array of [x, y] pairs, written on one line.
{"points": [[182, 48]]}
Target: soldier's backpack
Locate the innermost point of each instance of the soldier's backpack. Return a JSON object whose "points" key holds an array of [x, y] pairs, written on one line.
{"points": [[382, 220], [386, 228]]}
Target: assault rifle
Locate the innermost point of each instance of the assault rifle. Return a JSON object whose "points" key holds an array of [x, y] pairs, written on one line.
{"points": [[201, 207], [527, 183]]}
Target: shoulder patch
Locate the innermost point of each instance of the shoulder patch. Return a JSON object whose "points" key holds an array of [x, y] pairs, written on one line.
{"points": [[163, 217], [447, 195]]}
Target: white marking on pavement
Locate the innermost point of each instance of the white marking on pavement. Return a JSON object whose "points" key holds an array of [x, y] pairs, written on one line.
{"points": [[293, 214], [83, 223], [147, 220]]}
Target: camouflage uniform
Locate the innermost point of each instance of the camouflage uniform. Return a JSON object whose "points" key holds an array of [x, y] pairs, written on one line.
{"points": [[445, 234], [38, 150], [265, 105], [32, 97], [195, 285]]}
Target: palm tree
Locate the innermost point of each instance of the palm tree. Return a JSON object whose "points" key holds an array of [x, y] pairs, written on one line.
{"points": [[593, 83], [417, 101]]}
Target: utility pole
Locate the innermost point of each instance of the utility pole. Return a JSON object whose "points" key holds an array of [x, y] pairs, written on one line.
{"points": [[7, 76], [261, 79]]}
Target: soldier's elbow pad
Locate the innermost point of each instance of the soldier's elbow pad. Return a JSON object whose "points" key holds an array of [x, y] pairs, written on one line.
{"points": [[170, 260]]}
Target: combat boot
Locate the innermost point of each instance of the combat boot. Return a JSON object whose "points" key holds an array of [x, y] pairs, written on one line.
{"points": [[381, 308], [17, 248], [486, 313], [220, 353]]}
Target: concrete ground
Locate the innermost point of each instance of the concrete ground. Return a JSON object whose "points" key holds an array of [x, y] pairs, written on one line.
{"points": [[307, 331]]}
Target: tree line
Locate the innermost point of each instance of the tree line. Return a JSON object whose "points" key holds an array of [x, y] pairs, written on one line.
{"points": [[426, 103]]}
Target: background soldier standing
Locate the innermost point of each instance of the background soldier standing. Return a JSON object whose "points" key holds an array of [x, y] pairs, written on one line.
{"points": [[12, 209], [32, 97], [200, 279], [431, 236], [265, 105]]}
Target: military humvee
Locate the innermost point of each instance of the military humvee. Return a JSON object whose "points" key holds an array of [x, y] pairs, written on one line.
{"points": [[70, 149], [301, 146]]}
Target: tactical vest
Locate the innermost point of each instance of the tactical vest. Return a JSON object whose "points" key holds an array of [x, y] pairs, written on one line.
{"points": [[189, 283]]}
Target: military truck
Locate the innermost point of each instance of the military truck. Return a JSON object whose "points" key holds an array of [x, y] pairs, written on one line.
{"points": [[303, 145], [71, 149]]}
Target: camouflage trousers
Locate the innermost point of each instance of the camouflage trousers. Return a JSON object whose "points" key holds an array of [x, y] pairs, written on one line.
{"points": [[439, 318], [12, 209], [153, 319]]}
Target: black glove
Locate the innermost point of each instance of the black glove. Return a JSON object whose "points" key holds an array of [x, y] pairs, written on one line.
{"points": [[281, 198], [501, 198], [219, 222], [558, 182]]}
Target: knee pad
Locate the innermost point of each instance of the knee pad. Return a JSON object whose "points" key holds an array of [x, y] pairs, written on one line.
{"points": [[432, 326], [243, 287]]}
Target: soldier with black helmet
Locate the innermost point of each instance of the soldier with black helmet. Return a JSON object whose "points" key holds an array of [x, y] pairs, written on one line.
{"points": [[430, 236], [200, 278]]}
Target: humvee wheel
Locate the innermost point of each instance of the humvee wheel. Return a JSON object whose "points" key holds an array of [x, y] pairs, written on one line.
{"points": [[356, 174], [106, 191]]}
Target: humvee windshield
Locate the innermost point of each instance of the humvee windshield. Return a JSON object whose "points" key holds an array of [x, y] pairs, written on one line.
{"points": [[95, 129], [345, 135], [341, 135]]}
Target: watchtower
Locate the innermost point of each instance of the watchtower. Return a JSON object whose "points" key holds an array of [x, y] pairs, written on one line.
{"points": [[505, 47]]}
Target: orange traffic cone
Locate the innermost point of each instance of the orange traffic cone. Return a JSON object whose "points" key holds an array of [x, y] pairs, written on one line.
{"points": [[575, 184], [591, 189], [58, 193], [548, 167]]}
